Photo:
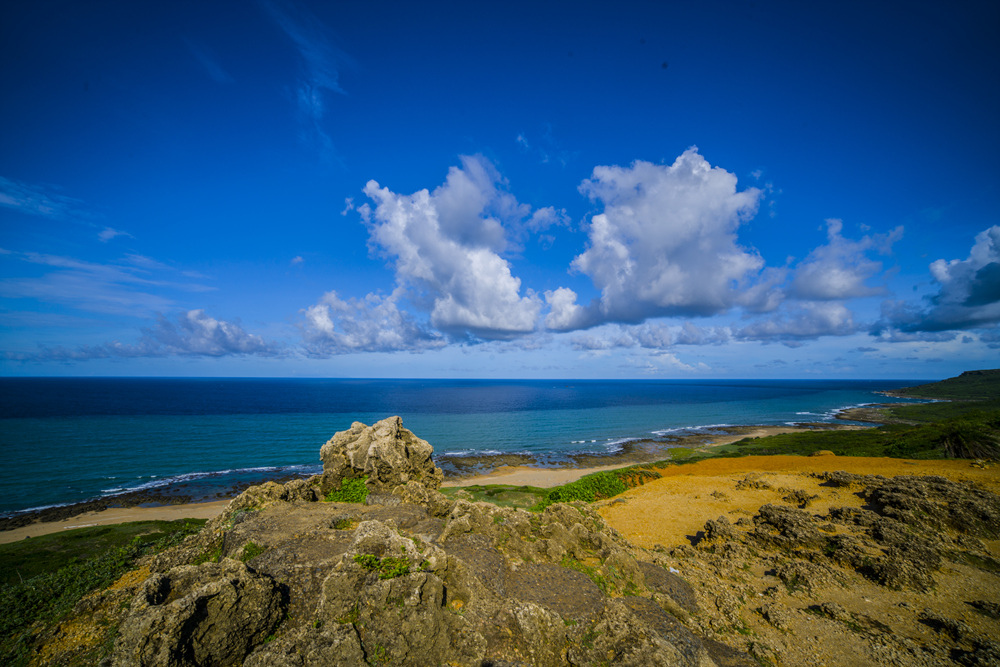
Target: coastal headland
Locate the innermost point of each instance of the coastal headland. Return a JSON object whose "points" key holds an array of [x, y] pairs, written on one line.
{"points": [[730, 555]]}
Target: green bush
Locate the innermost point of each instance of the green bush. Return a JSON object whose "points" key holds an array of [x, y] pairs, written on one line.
{"points": [[589, 488], [350, 491]]}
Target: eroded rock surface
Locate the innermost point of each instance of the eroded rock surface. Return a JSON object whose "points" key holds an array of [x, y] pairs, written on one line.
{"points": [[387, 454]]}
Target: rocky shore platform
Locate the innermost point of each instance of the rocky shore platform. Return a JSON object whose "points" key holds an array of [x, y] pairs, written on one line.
{"points": [[369, 563]]}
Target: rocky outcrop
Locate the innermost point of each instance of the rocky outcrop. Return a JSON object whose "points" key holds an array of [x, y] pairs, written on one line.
{"points": [[386, 454], [210, 614], [409, 577]]}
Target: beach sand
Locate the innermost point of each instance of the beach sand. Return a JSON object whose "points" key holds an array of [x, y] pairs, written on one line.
{"points": [[548, 477], [117, 515]]}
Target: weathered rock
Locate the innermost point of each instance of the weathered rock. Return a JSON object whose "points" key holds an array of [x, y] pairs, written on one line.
{"points": [[786, 528], [937, 503], [386, 453], [210, 614]]}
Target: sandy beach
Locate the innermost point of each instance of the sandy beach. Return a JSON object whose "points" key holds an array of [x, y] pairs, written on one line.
{"points": [[117, 515]]}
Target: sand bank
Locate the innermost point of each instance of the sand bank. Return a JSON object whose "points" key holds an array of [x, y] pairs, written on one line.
{"points": [[673, 509], [117, 515], [547, 477]]}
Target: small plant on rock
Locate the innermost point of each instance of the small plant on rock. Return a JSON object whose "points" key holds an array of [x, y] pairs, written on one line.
{"points": [[350, 491]]}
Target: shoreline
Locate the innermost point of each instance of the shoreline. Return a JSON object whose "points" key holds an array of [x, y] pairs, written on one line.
{"points": [[141, 507]]}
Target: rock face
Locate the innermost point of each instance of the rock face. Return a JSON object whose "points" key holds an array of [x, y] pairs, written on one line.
{"points": [[386, 453], [210, 614]]}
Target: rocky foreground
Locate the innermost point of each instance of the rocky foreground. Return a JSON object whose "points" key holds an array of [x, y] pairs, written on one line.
{"points": [[411, 577]]}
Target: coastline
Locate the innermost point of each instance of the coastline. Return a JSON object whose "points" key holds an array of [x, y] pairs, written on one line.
{"points": [[154, 507]]}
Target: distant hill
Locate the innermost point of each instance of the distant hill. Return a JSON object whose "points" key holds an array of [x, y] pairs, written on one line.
{"points": [[970, 385]]}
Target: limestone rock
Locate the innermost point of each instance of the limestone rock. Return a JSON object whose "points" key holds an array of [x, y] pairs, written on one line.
{"points": [[210, 614], [386, 453]]}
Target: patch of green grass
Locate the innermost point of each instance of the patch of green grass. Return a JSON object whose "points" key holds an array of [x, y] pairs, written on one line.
{"points": [[503, 495], [595, 575], [90, 561], [250, 551], [19, 561], [389, 567], [350, 491], [976, 435]]}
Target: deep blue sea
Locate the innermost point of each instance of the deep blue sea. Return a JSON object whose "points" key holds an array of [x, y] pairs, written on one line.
{"points": [[64, 440]]}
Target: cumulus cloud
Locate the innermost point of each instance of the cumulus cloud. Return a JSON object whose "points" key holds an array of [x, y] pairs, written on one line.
{"points": [[192, 334], [841, 269], [373, 324], [650, 336], [664, 245], [805, 321], [445, 248], [968, 296]]}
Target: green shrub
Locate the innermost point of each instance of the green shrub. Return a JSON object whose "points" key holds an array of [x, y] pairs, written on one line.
{"points": [[350, 491], [389, 567], [250, 551]]}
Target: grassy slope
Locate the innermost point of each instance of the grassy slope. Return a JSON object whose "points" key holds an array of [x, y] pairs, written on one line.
{"points": [[966, 426], [44, 577]]}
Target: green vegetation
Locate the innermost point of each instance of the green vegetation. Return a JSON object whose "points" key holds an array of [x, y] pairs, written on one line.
{"points": [[597, 486], [974, 436], [389, 567], [969, 386], [523, 497], [63, 568], [250, 551], [350, 491], [19, 561]]}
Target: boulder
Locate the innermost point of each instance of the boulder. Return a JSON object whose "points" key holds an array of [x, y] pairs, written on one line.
{"points": [[386, 453], [209, 614]]}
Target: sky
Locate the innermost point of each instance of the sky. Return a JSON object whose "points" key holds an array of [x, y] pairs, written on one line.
{"points": [[286, 188]]}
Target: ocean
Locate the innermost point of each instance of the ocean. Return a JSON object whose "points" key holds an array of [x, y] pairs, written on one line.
{"points": [[67, 440]]}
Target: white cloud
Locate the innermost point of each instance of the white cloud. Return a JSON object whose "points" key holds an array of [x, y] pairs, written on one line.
{"points": [[445, 245], [807, 321], [650, 336], [665, 244], [968, 297], [131, 286], [109, 233], [841, 268], [36, 200], [373, 324], [193, 334]]}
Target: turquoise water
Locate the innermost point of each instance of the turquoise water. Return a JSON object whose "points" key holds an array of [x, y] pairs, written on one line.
{"points": [[68, 440]]}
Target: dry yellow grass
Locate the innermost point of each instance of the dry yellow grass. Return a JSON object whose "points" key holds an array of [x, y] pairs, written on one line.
{"points": [[671, 510]]}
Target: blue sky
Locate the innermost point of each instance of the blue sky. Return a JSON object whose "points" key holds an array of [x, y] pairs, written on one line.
{"points": [[370, 189]]}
